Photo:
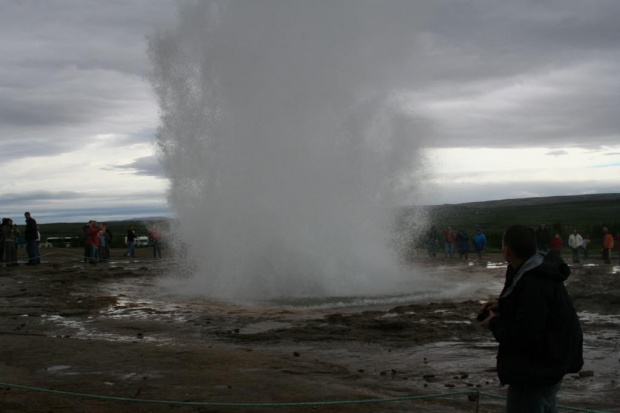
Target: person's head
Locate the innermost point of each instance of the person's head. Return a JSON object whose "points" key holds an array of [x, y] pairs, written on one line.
{"points": [[557, 235], [478, 229], [574, 230], [604, 229], [27, 215], [543, 226], [518, 243]]}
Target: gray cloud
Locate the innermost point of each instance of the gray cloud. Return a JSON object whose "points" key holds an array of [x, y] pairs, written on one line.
{"points": [[147, 165], [474, 73], [70, 206], [69, 63], [559, 152]]}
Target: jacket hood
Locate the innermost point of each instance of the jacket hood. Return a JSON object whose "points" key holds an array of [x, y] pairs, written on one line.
{"points": [[553, 266], [543, 264]]}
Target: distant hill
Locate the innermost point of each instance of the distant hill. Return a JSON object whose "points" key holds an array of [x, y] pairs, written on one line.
{"points": [[569, 199]]}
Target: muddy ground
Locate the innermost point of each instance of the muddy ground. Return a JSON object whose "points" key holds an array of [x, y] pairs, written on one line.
{"points": [[110, 330]]}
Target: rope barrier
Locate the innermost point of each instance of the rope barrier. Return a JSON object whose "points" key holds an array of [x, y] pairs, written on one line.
{"points": [[478, 394]]}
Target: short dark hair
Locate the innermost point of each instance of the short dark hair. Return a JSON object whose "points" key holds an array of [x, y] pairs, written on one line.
{"points": [[520, 239]]}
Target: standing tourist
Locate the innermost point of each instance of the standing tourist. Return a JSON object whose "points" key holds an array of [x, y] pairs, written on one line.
{"points": [[480, 242], [31, 234], [575, 241], [585, 245], [102, 244], [449, 238], [93, 241], [608, 245], [9, 232], [535, 323], [556, 244], [462, 239], [431, 242], [4, 222], [543, 238], [155, 241], [131, 239], [85, 229], [107, 235]]}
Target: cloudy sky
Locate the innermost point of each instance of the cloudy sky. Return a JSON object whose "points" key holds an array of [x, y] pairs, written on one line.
{"points": [[517, 99]]}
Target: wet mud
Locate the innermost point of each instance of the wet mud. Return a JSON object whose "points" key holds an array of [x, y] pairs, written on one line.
{"points": [[112, 330]]}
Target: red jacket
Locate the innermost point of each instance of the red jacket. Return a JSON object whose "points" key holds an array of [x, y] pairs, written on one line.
{"points": [[556, 244], [449, 236], [608, 241], [93, 236]]}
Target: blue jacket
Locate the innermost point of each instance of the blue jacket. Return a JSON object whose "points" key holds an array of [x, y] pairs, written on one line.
{"points": [[480, 241]]}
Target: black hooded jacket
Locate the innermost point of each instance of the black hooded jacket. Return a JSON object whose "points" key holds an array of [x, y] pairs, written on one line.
{"points": [[538, 331]]}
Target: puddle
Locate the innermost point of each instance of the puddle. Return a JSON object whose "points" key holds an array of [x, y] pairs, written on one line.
{"points": [[54, 369], [263, 326]]}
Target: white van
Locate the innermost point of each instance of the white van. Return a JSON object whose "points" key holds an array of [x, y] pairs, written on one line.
{"points": [[141, 241]]}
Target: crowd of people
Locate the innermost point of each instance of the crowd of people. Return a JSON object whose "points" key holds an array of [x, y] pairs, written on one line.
{"points": [[9, 240], [455, 242], [579, 244], [459, 242], [97, 240]]}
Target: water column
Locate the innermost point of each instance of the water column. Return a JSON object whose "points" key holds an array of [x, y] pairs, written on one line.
{"points": [[286, 146]]}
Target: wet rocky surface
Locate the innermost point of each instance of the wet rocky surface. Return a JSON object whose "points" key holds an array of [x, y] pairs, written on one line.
{"points": [[112, 330]]}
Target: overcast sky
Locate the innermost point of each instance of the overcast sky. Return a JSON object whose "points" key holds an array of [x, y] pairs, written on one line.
{"points": [[517, 99]]}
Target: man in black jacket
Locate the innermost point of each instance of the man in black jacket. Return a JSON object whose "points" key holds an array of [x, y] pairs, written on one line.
{"points": [[535, 323], [32, 235]]}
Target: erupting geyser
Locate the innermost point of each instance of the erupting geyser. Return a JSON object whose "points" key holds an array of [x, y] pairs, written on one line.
{"points": [[285, 145]]}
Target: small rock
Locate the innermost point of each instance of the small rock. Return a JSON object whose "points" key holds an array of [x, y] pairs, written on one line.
{"points": [[236, 331], [586, 373], [449, 385], [296, 354], [140, 335]]}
